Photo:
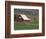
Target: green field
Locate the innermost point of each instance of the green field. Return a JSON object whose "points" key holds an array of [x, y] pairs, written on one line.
{"points": [[26, 26], [23, 26]]}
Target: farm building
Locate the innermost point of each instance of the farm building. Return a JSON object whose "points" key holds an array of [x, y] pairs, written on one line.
{"points": [[21, 18]]}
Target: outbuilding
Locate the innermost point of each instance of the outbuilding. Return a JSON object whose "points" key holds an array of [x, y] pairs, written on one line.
{"points": [[22, 17]]}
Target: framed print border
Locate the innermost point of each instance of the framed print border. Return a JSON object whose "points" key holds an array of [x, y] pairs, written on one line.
{"points": [[8, 19]]}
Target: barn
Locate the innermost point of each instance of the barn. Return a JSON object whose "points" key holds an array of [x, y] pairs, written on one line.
{"points": [[21, 18]]}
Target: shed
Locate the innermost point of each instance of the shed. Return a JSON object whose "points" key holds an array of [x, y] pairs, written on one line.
{"points": [[22, 17]]}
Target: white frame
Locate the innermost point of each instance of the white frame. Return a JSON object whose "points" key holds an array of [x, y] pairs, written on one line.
{"points": [[25, 31]]}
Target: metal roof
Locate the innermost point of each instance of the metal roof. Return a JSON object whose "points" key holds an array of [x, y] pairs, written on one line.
{"points": [[24, 17]]}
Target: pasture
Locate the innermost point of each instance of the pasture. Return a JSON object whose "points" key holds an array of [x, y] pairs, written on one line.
{"points": [[26, 26]]}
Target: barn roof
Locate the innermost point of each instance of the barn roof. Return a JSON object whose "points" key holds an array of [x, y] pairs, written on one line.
{"points": [[24, 17]]}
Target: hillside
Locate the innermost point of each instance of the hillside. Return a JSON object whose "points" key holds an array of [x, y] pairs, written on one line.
{"points": [[33, 12]]}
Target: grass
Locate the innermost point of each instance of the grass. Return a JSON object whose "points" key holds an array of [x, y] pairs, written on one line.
{"points": [[23, 26]]}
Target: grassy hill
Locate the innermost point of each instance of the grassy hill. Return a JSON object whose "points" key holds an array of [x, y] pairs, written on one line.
{"points": [[33, 12]]}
